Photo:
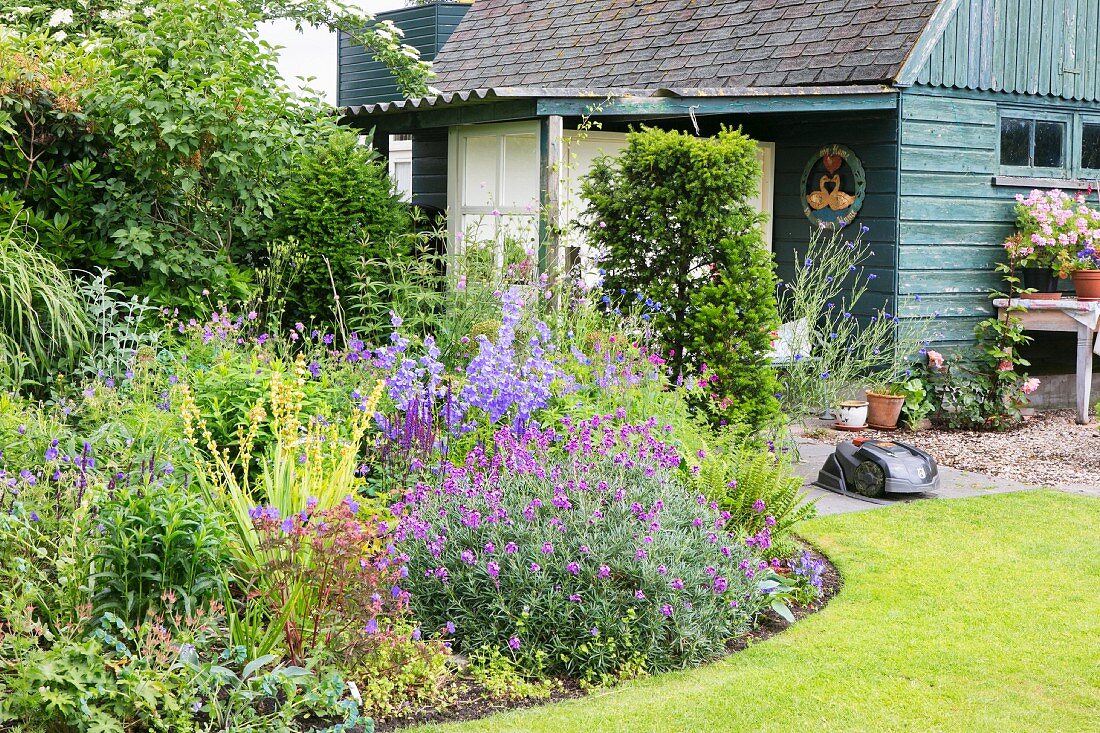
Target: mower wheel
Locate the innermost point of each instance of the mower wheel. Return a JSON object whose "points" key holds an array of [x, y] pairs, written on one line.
{"points": [[869, 480]]}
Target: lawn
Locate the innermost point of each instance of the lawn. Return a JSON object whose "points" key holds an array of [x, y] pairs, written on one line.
{"points": [[967, 615]]}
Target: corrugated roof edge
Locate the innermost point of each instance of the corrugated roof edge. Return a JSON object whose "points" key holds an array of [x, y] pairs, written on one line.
{"points": [[477, 96]]}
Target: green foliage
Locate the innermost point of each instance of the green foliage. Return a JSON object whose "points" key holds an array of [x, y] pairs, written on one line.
{"points": [[592, 600], [158, 541], [42, 320], [835, 351], [671, 219], [340, 206], [502, 679], [986, 388], [764, 500], [152, 137], [118, 327]]}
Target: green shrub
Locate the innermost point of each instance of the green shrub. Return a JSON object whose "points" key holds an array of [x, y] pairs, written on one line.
{"points": [[341, 206], [763, 500], [578, 565], [158, 541], [671, 220]]}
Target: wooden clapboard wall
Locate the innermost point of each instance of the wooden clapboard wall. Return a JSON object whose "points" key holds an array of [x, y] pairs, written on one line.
{"points": [[952, 216], [1045, 47], [364, 80]]}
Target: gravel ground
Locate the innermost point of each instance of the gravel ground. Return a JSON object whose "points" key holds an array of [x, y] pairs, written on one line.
{"points": [[1049, 449]]}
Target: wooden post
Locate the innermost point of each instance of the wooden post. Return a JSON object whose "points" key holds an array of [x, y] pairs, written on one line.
{"points": [[551, 132], [1085, 337]]}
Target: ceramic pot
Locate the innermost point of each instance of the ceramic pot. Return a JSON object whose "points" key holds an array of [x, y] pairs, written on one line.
{"points": [[853, 413], [1087, 284], [883, 410], [1042, 280]]}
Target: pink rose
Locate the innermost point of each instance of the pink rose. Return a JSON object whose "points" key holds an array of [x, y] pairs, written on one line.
{"points": [[935, 359], [1030, 385]]}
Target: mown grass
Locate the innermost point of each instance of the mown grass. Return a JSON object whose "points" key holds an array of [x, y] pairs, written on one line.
{"points": [[967, 615]]}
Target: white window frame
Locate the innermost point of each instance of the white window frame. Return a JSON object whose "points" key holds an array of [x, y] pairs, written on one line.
{"points": [[456, 176]]}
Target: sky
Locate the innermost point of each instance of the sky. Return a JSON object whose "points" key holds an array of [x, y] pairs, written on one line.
{"points": [[312, 53]]}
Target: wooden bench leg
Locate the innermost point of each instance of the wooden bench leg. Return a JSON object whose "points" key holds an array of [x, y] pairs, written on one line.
{"points": [[1085, 338]]}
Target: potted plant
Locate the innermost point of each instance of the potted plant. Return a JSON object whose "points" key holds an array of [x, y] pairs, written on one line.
{"points": [[1085, 267], [1060, 233], [1039, 280], [884, 403], [852, 415]]}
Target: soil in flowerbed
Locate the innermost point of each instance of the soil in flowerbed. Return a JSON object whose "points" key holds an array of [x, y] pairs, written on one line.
{"points": [[472, 701], [1048, 449]]}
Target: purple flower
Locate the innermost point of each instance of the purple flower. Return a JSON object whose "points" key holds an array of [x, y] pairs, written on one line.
{"points": [[677, 583], [639, 594], [468, 557], [493, 569], [547, 548], [758, 506], [666, 610], [573, 568], [511, 548], [604, 572], [513, 643], [594, 631], [34, 517], [372, 626], [450, 627], [534, 567]]}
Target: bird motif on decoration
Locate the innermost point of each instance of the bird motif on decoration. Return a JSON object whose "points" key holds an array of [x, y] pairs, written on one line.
{"points": [[832, 197]]}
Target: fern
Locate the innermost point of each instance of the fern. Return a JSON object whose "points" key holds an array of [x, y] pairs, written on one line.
{"points": [[738, 481]]}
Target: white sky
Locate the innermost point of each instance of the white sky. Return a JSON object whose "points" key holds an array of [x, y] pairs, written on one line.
{"points": [[312, 53]]}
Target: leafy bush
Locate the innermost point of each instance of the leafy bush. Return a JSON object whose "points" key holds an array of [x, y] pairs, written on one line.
{"points": [[167, 172], [341, 207], [671, 220], [158, 541], [577, 554], [756, 490]]}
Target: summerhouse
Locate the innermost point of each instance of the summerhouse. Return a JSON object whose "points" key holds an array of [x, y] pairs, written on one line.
{"points": [[919, 119]]}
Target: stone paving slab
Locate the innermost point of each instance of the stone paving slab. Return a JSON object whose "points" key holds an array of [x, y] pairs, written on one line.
{"points": [[954, 484]]}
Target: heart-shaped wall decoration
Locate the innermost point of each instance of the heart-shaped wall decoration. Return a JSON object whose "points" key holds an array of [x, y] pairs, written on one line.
{"points": [[832, 163]]}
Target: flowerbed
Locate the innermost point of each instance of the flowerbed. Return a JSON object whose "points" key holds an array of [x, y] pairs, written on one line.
{"points": [[299, 530]]}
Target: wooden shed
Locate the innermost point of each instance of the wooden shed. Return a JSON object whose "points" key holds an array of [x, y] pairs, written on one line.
{"points": [[933, 114]]}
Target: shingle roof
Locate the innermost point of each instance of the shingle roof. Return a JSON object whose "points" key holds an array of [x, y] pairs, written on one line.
{"points": [[680, 43]]}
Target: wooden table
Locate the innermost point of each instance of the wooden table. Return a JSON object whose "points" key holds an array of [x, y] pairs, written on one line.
{"points": [[1067, 315]]}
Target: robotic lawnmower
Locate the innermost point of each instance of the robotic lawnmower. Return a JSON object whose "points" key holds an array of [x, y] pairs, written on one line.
{"points": [[871, 469]]}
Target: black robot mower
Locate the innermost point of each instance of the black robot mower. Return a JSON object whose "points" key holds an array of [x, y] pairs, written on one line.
{"points": [[872, 469]]}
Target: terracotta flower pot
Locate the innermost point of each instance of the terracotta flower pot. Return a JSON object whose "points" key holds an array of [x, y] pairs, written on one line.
{"points": [[1087, 284], [883, 410]]}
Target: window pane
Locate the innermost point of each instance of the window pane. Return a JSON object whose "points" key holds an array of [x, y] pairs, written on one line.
{"points": [[1015, 141], [480, 181], [1049, 144], [521, 171], [1090, 146]]}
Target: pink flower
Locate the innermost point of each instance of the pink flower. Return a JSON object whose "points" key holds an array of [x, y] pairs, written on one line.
{"points": [[1030, 386], [1004, 366], [935, 359]]}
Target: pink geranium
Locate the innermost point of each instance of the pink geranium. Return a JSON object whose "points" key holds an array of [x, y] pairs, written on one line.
{"points": [[935, 359]]}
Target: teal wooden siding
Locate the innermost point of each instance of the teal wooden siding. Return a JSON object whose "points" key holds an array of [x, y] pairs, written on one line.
{"points": [[362, 80], [952, 218], [872, 137], [1043, 47]]}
